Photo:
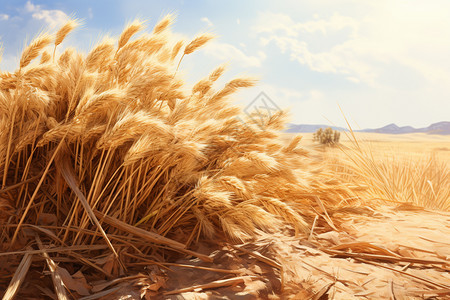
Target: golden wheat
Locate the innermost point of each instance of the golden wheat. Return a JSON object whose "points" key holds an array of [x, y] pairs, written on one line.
{"points": [[34, 49], [197, 43], [164, 24], [111, 141], [65, 30], [129, 31], [394, 177]]}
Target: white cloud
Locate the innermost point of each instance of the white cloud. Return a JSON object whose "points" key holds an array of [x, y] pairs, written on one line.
{"points": [[262, 56], [283, 97], [8, 62], [345, 58], [364, 48], [394, 58], [26, 21], [272, 22], [238, 21], [90, 13], [228, 52], [53, 18], [207, 21]]}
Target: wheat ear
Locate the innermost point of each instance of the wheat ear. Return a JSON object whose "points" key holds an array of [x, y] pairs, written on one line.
{"points": [[63, 32], [129, 31], [195, 44], [164, 24], [33, 50]]}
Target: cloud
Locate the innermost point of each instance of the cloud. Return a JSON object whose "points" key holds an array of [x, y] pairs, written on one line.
{"points": [[27, 20], [90, 13], [347, 58], [381, 63], [207, 21], [8, 62], [275, 22], [53, 18], [363, 48], [228, 52]]}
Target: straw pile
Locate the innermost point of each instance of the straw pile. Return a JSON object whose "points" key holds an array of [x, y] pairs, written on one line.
{"points": [[109, 152]]}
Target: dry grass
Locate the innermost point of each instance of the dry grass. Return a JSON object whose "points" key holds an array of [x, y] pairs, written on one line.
{"points": [[412, 168], [92, 146], [422, 182]]}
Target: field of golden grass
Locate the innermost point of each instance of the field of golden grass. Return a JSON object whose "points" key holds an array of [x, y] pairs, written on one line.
{"points": [[413, 168], [402, 145], [115, 174]]}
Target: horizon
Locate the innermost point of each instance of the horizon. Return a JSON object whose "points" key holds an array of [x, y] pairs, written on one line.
{"points": [[381, 63], [331, 125]]}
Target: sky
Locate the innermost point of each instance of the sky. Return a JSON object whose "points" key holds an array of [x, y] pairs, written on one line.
{"points": [[374, 62]]}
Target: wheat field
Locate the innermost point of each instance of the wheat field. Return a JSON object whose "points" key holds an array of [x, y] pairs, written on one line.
{"points": [[109, 161], [396, 168], [110, 151]]}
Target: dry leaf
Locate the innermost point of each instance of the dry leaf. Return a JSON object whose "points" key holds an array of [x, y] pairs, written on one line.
{"points": [[75, 282], [47, 219]]}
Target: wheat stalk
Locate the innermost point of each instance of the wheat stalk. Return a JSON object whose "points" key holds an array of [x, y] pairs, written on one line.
{"points": [[63, 32], [194, 45], [144, 154], [34, 49]]}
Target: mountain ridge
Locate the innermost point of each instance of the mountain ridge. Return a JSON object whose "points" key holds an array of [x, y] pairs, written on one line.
{"points": [[441, 128]]}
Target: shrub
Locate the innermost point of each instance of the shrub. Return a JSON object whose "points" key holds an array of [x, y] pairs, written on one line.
{"points": [[327, 136]]}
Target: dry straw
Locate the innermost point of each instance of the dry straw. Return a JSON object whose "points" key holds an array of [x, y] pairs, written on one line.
{"points": [[107, 148]]}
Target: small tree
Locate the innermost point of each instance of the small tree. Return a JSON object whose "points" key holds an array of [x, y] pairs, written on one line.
{"points": [[327, 136], [317, 135], [336, 136]]}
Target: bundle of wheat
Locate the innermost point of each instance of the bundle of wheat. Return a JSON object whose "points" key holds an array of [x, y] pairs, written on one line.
{"points": [[109, 150]]}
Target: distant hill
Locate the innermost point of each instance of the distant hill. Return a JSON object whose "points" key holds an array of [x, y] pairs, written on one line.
{"points": [[442, 128], [439, 128], [392, 129]]}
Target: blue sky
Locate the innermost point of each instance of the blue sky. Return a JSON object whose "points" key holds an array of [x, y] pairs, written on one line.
{"points": [[380, 61]]}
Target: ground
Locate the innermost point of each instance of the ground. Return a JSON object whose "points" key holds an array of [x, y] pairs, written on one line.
{"points": [[390, 253]]}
